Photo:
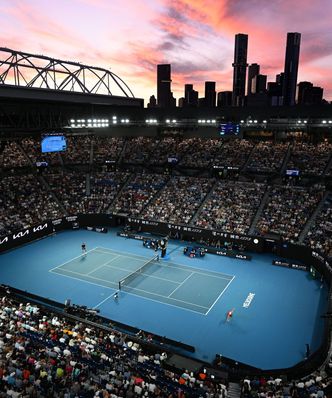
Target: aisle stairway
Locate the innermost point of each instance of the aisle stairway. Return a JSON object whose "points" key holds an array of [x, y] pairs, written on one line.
{"points": [[313, 217], [234, 390], [259, 211]]}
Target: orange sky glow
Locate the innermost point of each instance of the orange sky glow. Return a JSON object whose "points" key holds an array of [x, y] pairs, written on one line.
{"points": [[195, 36]]}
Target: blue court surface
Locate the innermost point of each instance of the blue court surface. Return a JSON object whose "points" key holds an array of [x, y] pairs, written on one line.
{"points": [[277, 310]]}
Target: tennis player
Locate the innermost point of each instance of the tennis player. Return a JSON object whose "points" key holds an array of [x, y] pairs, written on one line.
{"points": [[83, 246], [229, 314]]}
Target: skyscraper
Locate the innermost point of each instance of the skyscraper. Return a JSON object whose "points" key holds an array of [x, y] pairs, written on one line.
{"points": [[240, 69], [291, 68], [210, 94], [164, 95], [190, 96], [258, 84], [253, 71]]}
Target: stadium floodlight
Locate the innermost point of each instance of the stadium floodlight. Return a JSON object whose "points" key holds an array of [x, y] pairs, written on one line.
{"points": [[250, 121], [168, 120], [208, 121], [213, 121], [83, 121], [264, 121], [122, 120], [299, 122], [324, 121], [242, 121], [127, 120], [114, 121], [203, 121], [174, 121], [199, 121], [72, 120], [255, 121], [114, 117], [330, 121]]}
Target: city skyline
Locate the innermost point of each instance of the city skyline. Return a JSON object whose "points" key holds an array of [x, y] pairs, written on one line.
{"points": [[195, 37]]}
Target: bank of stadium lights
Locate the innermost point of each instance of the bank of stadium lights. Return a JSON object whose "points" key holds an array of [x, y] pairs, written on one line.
{"points": [[96, 123], [151, 121], [208, 121]]}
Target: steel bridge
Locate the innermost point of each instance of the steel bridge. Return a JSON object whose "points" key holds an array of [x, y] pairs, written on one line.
{"points": [[27, 70]]}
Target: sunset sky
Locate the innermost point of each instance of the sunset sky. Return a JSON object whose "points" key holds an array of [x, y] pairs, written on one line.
{"points": [[195, 36]]}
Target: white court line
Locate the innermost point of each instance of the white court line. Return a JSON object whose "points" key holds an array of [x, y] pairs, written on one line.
{"points": [[160, 295], [170, 305], [103, 265], [141, 290], [82, 280], [133, 254], [92, 277], [74, 258], [184, 267], [141, 273], [220, 294], [180, 285], [96, 306]]}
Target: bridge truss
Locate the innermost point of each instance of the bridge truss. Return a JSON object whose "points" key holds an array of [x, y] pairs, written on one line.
{"points": [[22, 69]]}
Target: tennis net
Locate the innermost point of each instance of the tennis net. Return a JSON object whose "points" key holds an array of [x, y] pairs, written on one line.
{"points": [[129, 278]]}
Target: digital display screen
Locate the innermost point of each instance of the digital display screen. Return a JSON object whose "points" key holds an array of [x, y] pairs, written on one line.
{"points": [[172, 160], [294, 173], [229, 129], [53, 143]]}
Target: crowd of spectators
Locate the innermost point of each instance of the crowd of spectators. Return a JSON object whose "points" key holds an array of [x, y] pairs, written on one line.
{"points": [[138, 150], [137, 193], [200, 152], [310, 159], [320, 234], [70, 188], [24, 202], [104, 187], [287, 211], [231, 207], [313, 386], [43, 355], [11, 156], [234, 153], [179, 200], [267, 157], [107, 149], [78, 149]]}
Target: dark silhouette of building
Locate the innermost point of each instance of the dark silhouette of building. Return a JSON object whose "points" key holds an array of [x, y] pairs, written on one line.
{"points": [[291, 68], [190, 96], [224, 99], [259, 84], [240, 69], [210, 94], [152, 102], [253, 71], [164, 94], [308, 94]]}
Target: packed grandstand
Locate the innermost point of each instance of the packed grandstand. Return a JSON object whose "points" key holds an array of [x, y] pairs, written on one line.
{"points": [[237, 186]]}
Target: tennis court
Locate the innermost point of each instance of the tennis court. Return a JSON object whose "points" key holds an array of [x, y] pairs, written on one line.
{"points": [[163, 281]]}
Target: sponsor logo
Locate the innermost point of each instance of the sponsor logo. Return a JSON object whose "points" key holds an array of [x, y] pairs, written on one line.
{"points": [[71, 218], [248, 300], [39, 228], [21, 234], [4, 240]]}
